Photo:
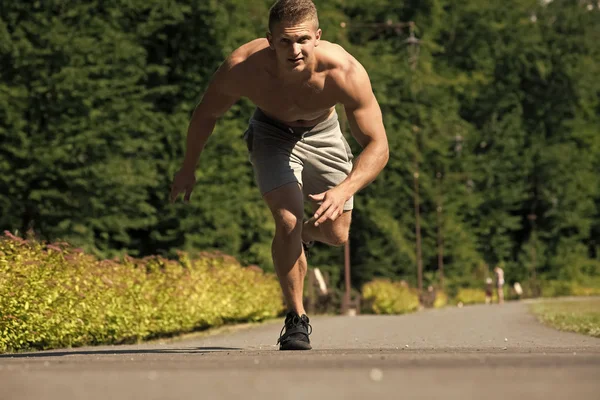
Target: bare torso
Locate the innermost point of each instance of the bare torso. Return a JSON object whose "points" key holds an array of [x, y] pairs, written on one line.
{"points": [[302, 103]]}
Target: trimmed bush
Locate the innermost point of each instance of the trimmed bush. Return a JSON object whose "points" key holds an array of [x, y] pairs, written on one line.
{"points": [[567, 288], [54, 296], [385, 297], [441, 299], [470, 296]]}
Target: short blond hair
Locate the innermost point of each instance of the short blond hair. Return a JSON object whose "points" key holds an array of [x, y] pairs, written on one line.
{"points": [[293, 11]]}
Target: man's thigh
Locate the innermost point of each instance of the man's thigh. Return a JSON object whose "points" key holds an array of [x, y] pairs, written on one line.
{"points": [[273, 161], [286, 203]]}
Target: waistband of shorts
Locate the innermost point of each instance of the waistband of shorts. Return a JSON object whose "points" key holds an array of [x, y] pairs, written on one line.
{"points": [[299, 131]]}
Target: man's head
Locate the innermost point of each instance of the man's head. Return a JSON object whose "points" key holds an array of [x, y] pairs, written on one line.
{"points": [[294, 32], [293, 12]]}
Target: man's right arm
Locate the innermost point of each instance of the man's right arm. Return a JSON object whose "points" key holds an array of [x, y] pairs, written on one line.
{"points": [[222, 93]]}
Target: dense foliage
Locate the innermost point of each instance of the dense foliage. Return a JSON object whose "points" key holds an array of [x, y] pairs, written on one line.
{"points": [[498, 113]]}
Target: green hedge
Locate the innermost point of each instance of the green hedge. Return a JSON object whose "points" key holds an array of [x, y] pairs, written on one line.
{"points": [[566, 288], [385, 297], [54, 296], [441, 299], [470, 296]]}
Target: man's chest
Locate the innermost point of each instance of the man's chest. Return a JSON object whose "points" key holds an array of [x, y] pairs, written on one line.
{"points": [[292, 102]]}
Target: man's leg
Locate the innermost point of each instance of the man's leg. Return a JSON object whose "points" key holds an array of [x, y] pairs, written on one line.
{"points": [[500, 294], [333, 233], [287, 206]]}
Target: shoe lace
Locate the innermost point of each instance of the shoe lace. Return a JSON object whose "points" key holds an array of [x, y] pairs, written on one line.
{"points": [[295, 321]]}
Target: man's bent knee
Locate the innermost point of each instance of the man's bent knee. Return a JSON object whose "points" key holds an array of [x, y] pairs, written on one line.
{"points": [[337, 232], [338, 238]]}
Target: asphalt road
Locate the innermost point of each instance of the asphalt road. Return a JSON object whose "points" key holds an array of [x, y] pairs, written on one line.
{"points": [[490, 352]]}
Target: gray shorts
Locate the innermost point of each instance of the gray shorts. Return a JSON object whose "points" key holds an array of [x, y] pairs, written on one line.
{"points": [[318, 158]]}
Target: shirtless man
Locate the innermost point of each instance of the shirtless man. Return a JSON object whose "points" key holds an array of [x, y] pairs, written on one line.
{"points": [[296, 147]]}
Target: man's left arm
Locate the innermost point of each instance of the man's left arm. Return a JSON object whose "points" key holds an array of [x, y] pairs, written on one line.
{"points": [[366, 125]]}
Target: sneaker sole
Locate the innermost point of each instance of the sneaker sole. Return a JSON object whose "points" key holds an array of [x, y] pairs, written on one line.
{"points": [[295, 345]]}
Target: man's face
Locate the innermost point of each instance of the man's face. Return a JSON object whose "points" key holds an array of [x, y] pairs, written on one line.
{"points": [[294, 44]]}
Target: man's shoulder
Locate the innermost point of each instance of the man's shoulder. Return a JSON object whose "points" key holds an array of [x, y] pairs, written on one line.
{"points": [[244, 61], [333, 57], [340, 65], [231, 76], [344, 71], [249, 52]]}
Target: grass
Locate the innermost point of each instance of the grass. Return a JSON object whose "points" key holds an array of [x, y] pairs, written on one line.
{"points": [[577, 315]]}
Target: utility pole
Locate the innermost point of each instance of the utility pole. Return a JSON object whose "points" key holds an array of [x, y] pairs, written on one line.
{"points": [[532, 218], [418, 229], [345, 307], [440, 238], [347, 275], [413, 55]]}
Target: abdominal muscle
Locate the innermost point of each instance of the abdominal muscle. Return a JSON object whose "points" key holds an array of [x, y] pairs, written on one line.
{"points": [[300, 119]]}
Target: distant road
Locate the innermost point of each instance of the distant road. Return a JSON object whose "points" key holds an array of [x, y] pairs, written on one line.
{"points": [[478, 352]]}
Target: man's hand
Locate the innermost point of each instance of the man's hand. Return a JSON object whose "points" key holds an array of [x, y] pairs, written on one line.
{"points": [[183, 182], [332, 204]]}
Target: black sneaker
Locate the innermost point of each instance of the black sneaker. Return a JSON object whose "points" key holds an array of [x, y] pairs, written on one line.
{"points": [[297, 329]]}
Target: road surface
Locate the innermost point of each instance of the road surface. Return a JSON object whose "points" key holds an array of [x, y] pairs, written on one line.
{"points": [[483, 352]]}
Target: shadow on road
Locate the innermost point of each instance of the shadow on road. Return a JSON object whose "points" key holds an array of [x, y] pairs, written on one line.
{"points": [[189, 350]]}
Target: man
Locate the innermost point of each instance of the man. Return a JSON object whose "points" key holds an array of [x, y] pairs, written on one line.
{"points": [[499, 274], [296, 147]]}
